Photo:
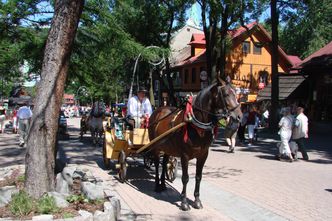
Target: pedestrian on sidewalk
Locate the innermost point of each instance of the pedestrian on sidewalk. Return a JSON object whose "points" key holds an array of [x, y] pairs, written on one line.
{"points": [[24, 115], [251, 123], [14, 120], [231, 132], [300, 131], [243, 124], [285, 132], [2, 118]]}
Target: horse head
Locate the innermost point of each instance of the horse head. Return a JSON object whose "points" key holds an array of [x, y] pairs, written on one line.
{"points": [[224, 100]]}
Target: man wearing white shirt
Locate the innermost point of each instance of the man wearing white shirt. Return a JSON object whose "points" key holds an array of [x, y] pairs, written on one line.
{"points": [[139, 107], [24, 115], [300, 131]]}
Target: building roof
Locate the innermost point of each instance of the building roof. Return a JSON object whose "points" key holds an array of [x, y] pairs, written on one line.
{"points": [[325, 51], [287, 85], [68, 96], [294, 59], [200, 57], [199, 38]]}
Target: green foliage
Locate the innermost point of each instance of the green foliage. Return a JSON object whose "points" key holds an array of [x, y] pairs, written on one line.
{"points": [[307, 27], [67, 215], [21, 178], [77, 199], [22, 204], [47, 205]]}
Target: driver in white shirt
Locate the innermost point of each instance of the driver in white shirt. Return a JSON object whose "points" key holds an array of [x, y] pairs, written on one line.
{"points": [[139, 107]]}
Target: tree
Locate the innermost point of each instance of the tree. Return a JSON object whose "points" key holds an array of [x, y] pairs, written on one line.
{"points": [[40, 160], [307, 27], [218, 17]]}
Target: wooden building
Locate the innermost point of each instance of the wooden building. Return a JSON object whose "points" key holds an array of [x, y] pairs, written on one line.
{"points": [[248, 66]]}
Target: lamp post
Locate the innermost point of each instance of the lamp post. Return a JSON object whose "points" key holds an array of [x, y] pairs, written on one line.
{"points": [[85, 92]]}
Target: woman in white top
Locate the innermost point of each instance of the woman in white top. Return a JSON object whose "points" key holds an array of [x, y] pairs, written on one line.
{"points": [[285, 125]]}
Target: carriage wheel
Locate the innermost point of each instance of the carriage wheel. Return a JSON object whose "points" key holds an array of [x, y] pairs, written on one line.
{"points": [[172, 169], [105, 159], [122, 166]]}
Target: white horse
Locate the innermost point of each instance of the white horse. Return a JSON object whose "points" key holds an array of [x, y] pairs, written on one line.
{"points": [[95, 121]]}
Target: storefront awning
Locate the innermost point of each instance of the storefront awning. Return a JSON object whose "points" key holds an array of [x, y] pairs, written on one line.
{"points": [[287, 85]]}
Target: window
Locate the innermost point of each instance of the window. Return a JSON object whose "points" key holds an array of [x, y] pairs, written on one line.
{"points": [[246, 47], [257, 50], [193, 75], [186, 76]]}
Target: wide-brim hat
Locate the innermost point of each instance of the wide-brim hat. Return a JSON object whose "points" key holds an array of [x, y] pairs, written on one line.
{"points": [[142, 89]]}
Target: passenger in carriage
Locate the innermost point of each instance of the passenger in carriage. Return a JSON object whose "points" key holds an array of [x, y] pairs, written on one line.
{"points": [[139, 108]]}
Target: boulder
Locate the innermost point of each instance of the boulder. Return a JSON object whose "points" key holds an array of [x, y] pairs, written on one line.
{"points": [[42, 218], [85, 215], [60, 199], [67, 174], [102, 216], [6, 194], [61, 185], [92, 191]]}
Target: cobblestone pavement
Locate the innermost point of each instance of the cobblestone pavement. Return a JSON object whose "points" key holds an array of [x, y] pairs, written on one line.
{"points": [[247, 185]]}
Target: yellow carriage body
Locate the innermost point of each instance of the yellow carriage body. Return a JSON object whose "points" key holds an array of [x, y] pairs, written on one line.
{"points": [[133, 140]]}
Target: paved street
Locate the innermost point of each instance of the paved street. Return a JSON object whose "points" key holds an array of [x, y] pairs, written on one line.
{"points": [[246, 185]]}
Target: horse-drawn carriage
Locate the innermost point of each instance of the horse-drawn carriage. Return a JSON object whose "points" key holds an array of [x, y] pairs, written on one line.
{"points": [[120, 143]]}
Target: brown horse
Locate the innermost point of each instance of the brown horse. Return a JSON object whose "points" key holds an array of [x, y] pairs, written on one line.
{"points": [[194, 139]]}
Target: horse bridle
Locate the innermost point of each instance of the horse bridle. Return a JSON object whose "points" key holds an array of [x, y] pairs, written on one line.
{"points": [[217, 116]]}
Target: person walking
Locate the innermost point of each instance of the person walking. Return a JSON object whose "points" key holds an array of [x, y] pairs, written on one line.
{"points": [[231, 132], [14, 118], [251, 123], [24, 115], [285, 132], [2, 118], [300, 131], [243, 125]]}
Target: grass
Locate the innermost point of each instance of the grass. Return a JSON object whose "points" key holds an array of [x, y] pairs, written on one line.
{"points": [[47, 205], [22, 204]]}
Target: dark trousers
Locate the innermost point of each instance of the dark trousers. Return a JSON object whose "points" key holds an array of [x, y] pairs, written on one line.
{"points": [[240, 133], [300, 143]]}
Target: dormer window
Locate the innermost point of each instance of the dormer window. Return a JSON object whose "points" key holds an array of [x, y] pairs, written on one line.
{"points": [[257, 50], [246, 47]]}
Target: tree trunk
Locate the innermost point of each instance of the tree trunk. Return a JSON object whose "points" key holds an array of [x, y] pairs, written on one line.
{"points": [[39, 159], [274, 68]]}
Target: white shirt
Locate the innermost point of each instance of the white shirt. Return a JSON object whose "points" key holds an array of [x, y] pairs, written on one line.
{"points": [[135, 108], [24, 113], [301, 127], [286, 124]]}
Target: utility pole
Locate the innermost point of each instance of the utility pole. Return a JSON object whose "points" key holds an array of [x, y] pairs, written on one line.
{"points": [[274, 67]]}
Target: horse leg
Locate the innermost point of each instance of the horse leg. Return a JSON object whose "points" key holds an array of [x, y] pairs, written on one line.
{"points": [[163, 173], [156, 178], [199, 169], [185, 179]]}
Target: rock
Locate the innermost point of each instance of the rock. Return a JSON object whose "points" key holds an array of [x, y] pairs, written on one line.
{"points": [[85, 216], [115, 202], [61, 185], [78, 174], [60, 199], [6, 194], [92, 191], [42, 218], [67, 174], [102, 216]]}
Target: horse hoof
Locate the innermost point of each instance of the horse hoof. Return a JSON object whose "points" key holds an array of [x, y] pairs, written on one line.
{"points": [[185, 206], [198, 204]]}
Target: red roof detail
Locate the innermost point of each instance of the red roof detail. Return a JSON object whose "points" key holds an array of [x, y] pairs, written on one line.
{"points": [[197, 39], [294, 59], [200, 57], [68, 96], [235, 33], [326, 50]]}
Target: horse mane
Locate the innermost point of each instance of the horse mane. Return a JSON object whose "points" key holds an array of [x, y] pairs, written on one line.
{"points": [[97, 109]]}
